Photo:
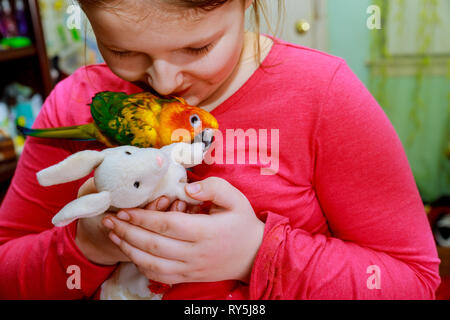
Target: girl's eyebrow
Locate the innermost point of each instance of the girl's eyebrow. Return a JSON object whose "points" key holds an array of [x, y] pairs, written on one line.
{"points": [[201, 42], [107, 45], [205, 40]]}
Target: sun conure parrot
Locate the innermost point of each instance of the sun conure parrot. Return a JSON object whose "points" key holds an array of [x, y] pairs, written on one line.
{"points": [[141, 119]]}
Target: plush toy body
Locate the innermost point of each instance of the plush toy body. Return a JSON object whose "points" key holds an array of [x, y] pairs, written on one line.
{"points": [[127, 283], [125, 177]]}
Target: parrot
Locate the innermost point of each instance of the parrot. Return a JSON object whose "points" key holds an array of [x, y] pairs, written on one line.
{"points": [[142, 119]]}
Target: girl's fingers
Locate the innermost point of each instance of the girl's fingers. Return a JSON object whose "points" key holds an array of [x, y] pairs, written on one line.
{"points": [[178, 205], [194, 209], [155, 268], [217, 190], [163, 204], [172, 224], [87, 187], [150, 242], [160, 204]]}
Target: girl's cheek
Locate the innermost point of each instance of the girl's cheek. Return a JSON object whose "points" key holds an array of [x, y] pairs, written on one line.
{"points": [[129, 69], [218, 66]]}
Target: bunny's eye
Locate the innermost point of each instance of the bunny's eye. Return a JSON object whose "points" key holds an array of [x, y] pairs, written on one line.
{"points": [[137, 184], [128, 152]]}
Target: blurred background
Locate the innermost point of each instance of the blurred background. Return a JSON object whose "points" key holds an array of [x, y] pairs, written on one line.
{"points": [[400, 49]]}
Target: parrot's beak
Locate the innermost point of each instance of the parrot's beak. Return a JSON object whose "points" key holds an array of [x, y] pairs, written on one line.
{"points": [[206, 137]]}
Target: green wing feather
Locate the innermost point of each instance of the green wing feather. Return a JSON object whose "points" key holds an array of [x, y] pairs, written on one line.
{"points": [[106, 108], [108, 111]]}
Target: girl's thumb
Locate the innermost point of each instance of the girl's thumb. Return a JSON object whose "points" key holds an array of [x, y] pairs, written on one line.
{"points": [[217, 190]]}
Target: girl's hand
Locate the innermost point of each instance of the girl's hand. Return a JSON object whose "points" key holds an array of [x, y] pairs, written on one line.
{"points": [[175, 247], [92, 237]]}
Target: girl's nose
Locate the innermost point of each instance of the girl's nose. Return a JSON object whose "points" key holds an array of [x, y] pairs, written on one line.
{"points": [[164, 77]]}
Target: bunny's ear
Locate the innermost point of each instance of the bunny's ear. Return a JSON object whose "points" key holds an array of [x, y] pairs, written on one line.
{"points": [[75, 167], [89, 205]]}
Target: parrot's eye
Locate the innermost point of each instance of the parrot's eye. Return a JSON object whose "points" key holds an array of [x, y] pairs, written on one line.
{"points": [[195, 121], [137, 184], [127, 152]]}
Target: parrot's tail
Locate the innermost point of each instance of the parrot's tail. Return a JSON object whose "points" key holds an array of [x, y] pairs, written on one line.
{"points": [[81, 132]]}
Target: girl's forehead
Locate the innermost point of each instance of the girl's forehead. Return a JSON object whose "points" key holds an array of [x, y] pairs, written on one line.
{"points": [[145, 16], [138, 10], [131, 22]]}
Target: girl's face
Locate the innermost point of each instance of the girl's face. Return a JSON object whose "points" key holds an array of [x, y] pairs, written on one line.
{"points": [[173, 50]]}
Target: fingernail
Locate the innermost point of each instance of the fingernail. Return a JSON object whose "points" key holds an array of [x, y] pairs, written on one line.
{"points": [[162, 203], [123, 215], [181, 206], [193, 188], [108, 223]]}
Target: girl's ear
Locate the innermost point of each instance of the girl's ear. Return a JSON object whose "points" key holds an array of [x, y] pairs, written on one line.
{"points": [[75, 167]]}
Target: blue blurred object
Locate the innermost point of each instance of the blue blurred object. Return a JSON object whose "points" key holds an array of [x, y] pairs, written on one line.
{"points": [[19, 105], [24, 113], [21, 18]]}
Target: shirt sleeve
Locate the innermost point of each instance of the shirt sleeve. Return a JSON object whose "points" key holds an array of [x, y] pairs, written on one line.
{"points": [[38, 260], [381, 245]]}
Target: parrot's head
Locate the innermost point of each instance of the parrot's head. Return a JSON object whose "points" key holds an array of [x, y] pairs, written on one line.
{"points": [[181, 122]]}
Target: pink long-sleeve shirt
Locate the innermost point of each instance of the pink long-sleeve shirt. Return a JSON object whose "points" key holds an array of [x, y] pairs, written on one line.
{"points": [[323, 168]]}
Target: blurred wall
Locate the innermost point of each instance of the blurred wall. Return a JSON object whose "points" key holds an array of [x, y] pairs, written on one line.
{"points": [[422, 127], [348, 35]]}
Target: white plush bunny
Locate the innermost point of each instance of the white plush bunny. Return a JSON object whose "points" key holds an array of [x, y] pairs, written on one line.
{"points": [[125, 177]]}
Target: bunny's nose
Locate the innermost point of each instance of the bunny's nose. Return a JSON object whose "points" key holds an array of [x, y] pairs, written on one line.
{"points": [[160, 161]]}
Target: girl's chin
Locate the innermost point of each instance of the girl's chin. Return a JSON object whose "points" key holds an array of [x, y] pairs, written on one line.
{"points": [[191, 100]]}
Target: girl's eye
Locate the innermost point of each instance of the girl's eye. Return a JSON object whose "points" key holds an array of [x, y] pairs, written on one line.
{"points": [[199, 51], [121, 54]]}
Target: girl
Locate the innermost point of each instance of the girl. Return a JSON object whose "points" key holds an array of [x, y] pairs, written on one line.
{"points": [[338, 217]]}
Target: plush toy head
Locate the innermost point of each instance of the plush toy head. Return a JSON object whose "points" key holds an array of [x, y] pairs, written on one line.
{"points": [[130, 174], [125, 177]]}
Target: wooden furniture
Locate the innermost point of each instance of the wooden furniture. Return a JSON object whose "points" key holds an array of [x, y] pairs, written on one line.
{"points": [[28, 66]]}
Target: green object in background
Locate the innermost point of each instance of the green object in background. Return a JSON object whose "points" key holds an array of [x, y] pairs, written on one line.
{"points": [[62, 35], [75, 34], [16, 42]]}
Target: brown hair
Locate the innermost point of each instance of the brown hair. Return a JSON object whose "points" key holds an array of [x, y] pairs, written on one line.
{"points": [[258, 9], [206, 5]]}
